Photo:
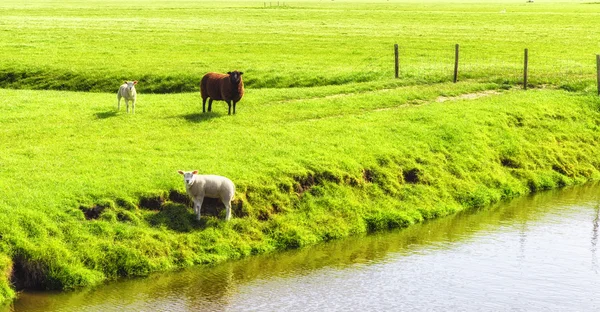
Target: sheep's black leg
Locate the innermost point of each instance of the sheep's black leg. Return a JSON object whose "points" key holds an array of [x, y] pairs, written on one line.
{"points": [[204, 105], [229, 104], [234, 102], [210, 104]]}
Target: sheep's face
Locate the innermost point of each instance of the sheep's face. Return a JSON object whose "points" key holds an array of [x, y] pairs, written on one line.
{"points": [[188, 177], [235, 77], [130, 86]]}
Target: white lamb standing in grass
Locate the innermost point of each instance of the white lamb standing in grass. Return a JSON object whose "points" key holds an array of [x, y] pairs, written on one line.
{"points": [[127, 91], [212, 186]]}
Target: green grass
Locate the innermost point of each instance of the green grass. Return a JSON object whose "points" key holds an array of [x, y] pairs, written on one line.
{"points": [[168, 45], [307, 170], [348, 150]]}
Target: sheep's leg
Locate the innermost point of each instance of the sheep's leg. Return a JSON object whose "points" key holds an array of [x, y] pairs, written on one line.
{"points": [[119, 102], [210, 104], [199, 206], [229, 104], [234, 102], [227, 209], [204, 105], [127, 104], [195, 206]]}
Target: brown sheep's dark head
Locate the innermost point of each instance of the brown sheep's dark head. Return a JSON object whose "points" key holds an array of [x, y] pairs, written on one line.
{"points": [[235, 77]]}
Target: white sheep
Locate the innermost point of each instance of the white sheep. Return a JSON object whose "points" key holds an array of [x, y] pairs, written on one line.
{"points": [[127, 91], [212, 186]]}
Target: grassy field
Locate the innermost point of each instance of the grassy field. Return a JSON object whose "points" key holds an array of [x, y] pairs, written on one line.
{"points": [[168, 45], [90, 194]]}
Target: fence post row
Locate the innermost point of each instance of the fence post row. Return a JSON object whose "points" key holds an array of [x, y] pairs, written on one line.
{"points": [[456, 54], [525, 66], [456, 63], [397, 62]]}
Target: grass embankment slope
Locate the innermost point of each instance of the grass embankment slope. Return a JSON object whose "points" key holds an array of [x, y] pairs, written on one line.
{"points": [[307, 170], [87, 192]]}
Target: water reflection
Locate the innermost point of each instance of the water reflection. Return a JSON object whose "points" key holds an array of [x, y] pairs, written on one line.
{"points": [[420, 259], [595, 239]]}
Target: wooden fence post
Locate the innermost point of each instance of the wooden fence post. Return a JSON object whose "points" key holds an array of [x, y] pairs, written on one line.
{"points": [[525, 69], [456, 63], [397, 62], [598, 71]]}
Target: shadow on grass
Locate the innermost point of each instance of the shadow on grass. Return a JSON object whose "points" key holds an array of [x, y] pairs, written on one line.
{"points": [[199, 117], [175, 217], [181, 218], [107, 114]]}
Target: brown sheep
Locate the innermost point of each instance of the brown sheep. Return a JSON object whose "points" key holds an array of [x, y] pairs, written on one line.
{"points": [[222, 87]]}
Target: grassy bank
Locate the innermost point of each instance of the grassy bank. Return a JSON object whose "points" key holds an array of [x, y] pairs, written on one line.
{"points": [[91, 45], [325, 164]]}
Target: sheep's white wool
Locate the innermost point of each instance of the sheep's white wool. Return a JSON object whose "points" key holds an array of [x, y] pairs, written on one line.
{"points": [[127, 91], [212, 186]]}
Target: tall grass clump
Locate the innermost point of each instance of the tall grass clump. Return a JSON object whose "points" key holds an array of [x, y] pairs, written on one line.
{"points": [[6, 292]]}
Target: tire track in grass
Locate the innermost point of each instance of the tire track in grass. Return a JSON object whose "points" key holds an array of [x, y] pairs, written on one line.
{"points": [[412, 97], [417, 103]]}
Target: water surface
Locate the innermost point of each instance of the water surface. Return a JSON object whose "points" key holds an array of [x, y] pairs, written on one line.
{"points": [[537, 253]]}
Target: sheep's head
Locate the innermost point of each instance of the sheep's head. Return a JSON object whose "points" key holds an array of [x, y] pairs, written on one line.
{"points": [[188, 176], [235, 77], [130, 86]]}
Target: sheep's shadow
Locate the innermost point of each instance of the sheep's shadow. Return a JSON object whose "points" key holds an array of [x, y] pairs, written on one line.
{"points": [[199, 117], [107, 114], [180, 217]]}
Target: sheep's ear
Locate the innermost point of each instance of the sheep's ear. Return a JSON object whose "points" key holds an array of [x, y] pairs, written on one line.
{"points": [[228, 73], [195, 172], [180, 172], [135, 82], [241, 73], [124, 81]]}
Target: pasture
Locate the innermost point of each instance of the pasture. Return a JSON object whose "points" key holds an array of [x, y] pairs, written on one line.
{"points": [[325, 143], [168, 45]]}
